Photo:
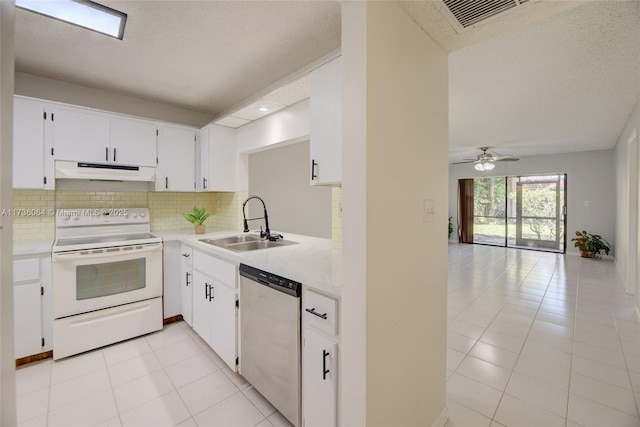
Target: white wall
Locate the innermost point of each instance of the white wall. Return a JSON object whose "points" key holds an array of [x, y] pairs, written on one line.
{"points": [[395, 140], [7, 357], [624, 212], [590, 177], [59, 91], [280, 176]]}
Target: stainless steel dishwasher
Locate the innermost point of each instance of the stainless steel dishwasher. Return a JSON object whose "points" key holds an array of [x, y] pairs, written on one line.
{"points": [[270, 338]]}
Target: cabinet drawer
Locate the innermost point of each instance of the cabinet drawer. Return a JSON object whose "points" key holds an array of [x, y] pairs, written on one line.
{"points": [[321, 312], [26, 269], [215, 268]]}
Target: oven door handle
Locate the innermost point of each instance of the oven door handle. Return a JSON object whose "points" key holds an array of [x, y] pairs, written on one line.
{"points": [[105, 252]]}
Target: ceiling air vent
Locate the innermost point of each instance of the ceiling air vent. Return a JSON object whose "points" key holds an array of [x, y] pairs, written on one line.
{"points": [[464, 14]]}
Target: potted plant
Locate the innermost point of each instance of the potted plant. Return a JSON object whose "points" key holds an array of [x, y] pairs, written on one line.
{"points": [[450, 226], [590, 245], [197, 217]]}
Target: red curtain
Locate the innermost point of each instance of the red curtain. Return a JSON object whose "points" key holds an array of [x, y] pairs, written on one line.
{"points": [[465, 210]]}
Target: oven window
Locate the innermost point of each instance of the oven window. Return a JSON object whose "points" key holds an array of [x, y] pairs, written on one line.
{"points": [[100, 280]]}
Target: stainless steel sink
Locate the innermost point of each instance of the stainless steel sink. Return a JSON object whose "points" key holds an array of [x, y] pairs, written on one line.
{"points": [[224, 241], [246, 242], [262, 244]]}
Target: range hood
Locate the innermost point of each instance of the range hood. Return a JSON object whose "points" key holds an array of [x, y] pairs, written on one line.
{"points": [[103, 172]]}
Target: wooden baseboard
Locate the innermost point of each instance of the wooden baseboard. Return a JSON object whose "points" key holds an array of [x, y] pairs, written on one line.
{"points": [[172, 319], [34, 358]]}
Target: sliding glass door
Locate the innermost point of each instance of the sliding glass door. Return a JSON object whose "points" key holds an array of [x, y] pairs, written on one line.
{"points": [[539, 212], [489, 211], [520, 212]]}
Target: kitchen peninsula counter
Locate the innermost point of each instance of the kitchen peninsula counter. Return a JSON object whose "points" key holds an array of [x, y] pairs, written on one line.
{"points": [[312, 261]]}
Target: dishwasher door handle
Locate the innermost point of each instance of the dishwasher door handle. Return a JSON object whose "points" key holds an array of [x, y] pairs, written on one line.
{"points": [[325, 371]]}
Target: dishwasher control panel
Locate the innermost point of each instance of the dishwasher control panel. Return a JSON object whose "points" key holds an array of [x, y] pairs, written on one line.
{"points": [[273, 281]]}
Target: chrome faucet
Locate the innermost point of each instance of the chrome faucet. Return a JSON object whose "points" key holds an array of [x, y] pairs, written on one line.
{"points": [[266, 233]]}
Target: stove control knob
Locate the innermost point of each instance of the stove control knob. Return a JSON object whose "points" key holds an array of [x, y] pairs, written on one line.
{"points": [[135, 214], [142, 214]]}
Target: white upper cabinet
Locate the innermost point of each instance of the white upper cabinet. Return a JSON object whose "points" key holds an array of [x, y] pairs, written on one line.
{"points": [[176, 159], [133, 141], [32, 165], [97, 137], [218, 167], [80, 135], [326, 123]]}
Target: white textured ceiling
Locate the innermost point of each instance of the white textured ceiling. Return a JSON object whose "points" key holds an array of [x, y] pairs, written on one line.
{"points": [[202, 55], [564, 84], [553, 76]]}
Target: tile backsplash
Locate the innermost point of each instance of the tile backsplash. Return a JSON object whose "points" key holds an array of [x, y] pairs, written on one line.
{"points": [[336, 217], [166, 209]]}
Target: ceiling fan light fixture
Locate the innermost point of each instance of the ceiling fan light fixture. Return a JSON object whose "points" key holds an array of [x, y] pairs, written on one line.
{"points": [[484, 166]]}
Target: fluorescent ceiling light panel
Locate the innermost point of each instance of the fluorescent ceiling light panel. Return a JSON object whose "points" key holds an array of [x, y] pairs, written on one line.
{"points": [[232, 122], [83, 13]]}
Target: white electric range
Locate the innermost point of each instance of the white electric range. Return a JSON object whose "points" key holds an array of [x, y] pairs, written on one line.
{"points": [[107, 278]]}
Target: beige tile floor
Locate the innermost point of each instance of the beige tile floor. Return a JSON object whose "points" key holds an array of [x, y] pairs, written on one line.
{"points": [[539, 339], [534, 339], [164, 379]]}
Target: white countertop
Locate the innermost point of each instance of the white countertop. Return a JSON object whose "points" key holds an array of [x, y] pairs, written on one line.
{"points": [[32, 247], [312, 262]]}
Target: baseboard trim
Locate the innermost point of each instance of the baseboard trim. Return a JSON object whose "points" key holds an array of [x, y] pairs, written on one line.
{"points": [[34, 358], [442, 419], [172, 319]]}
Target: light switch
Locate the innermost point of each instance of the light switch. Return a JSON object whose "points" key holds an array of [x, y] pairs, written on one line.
{"points": [[429, 210]]}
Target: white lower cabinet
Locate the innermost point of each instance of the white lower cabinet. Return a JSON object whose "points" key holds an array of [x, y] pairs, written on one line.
{"points": [[27, 310], [171, 279], [319, 379], [215, 305], [319, 360], [32, 306], [202, 306], [186, 284]]}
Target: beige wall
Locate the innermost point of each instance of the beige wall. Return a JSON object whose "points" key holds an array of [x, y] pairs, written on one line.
{"points": [[280, 176], [7, 369], [59, 91], [396, 123]]}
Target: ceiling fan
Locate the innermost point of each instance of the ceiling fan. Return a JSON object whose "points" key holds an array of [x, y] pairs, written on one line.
{"points": [[485, 160]]}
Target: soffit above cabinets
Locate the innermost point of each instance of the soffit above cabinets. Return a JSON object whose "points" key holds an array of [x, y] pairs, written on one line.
{"points": [[275, 100]]}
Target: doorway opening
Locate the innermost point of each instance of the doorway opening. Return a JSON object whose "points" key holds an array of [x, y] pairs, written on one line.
{"points": [[525, 212]]}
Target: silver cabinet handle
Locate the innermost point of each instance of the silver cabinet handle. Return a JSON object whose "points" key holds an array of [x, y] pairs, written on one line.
{"points": [[315, 313], [325, 371]]}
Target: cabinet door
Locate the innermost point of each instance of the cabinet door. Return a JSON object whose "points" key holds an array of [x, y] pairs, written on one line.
{"points": [[81, 135], [171, 272], [28, 145], [176, 160], [27, 319], [319, 355], [326, 123], [186, 285], [133, 142], [202, 306], [225, 324], [219, 159]]}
